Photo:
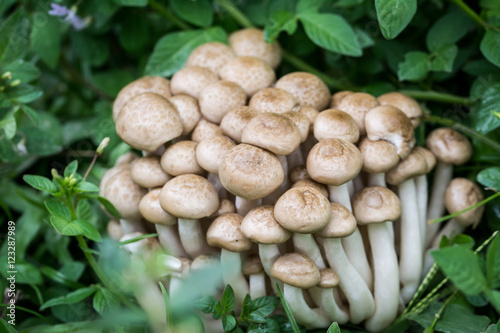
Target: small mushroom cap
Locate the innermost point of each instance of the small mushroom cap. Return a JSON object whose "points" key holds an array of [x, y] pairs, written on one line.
{"points": [[180, 159], [252, 74], [378, 156], [335, 124], [205, 130], [357, 105], [250, 42], [153, 84], [449, 146], [212, 55], [391, 124], [306, 88], [235, 121], [405, 103], [303, 210], [296, 269], [339, 96], [301, 121], [342, 223], [376, 204], [329, 278], [311, 114], [311, 183], [210, 152], [430, 158], [260, 226], [151, 210], [299, 173], [226, 207], [272, 100], [252, 266], [414, 165], [334, 162], [189, 197], [250, 172], [460, 194], [273, 132], [114, 230], [188, 110], [147, 172], [219, 98], [192, 80], [224, 232], [147, 121], [205, 261]]}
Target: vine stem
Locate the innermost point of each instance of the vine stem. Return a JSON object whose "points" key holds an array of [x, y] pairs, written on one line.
{"points": [[472, 14], [447, 217], [235, 13], [437, 97], [168, 15]]}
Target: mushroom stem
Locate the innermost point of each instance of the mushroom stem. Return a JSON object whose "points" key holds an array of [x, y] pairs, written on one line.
{"points": [[243, 206], [169, 240], [268, 254], [304, 243], [311, 318], [324, 298], [422, 199], [192, 237], [257, 284], [377, 179], [358, 183], [231, 274], [131, 225]]}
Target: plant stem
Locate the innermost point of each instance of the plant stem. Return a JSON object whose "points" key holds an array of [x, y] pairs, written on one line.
{"points": [[472, 14], [447, 217], [168, 15], [437, 316], [235, 13], [435, 96]]}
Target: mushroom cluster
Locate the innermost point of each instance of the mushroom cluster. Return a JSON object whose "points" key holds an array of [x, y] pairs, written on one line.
{"points": [[284, 183]]}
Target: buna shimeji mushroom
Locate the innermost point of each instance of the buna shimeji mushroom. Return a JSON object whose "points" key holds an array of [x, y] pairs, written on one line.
{"points": [[213, 55], [256, 276], [325, 295], [251, 42]]}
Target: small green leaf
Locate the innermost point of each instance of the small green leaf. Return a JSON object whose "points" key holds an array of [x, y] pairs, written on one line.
{"points": [[228, 322], [136, 239], [40, 183], [263, 306], [9, 126], [6, 327], [25, 93], [65, 227], [394, 15], [84, 210], [415, 66], [31, 114], [57, 208], [490, 46], [71, 169], [132, 3], [22, 70], [87, 187], [448, 30], [288, 311], [490, 178], [105, 301], [490, 101], [493, 263], [334, 328], [45, 39], [205, 304], [13, 37], [442, 58], [197, 12], [494, 296], [227, 300], [308, 5], [71, 298], [109, 207], [280, 21], [88, 230]]}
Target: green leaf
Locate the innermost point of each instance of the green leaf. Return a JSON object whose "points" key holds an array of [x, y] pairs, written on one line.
{"points": [[228, 322], [363, 38], [132, 3], [205, 304], [71, 169], [87, 187], [442, 58], [490, 46], [166, 301], [6, 327], [197, 12], [263, 306], [462, 267], [493, 262], [22, 70], [288, 311], [40, 183], [9, 126], [394, 15], [334, 328], [73, 270], [448, 30], [57, 208], [111, 82], [227, 300], [84, 210], [308, 5], [494, 296], [415, 66], [65, 227], [27, 273], [5, 4], [45, 39], [88, 230], [71, 298], [92, 49], [490, 101], [280, 21], [24, 93], [171, 51], [490, 178], [331, 32], [105, 302], [13, 37], [109, 206], [31, 114]]}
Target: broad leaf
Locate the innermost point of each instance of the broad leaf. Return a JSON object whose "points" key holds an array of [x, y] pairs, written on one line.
{"points": [[490, 46], [448, 30], [443, 58], [334, 328], [494, 296], [490, 178], [105, 302], [22, 70], [9, 125], [88, 230], [65, 227], [109, 206], [71, 169], [493, 262], [197, 12], [40, 183], [308, 5], [490, 102], [228, 322], [415, 66], [227, 300], [84, 210], [13, 37], [45, 39], [87, 187], [31, 114], [57, 208], [205, 304], [280, 21], [73, 297], [394, 15]]}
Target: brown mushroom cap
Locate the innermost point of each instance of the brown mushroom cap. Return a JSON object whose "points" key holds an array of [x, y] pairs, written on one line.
{"points": [[339, 96], [252, 266], [414, 165], [299, 173], [357, 105], [210, 152], [226, 207], [296, 269], [188, 110], [147, 172], [342, 223], [378, 156], [309, 182], [334, 162], [151, 210], [114, 230], [301, 121], [204, 261], [430, 158], [191, 81], [405, 103], [303, 210], [376, 204], [335, 124], [189, 197], [152, 84], [147, 121], [205, 130], [273, 132], [272, 100], [250, 42], [310, 113], [212, 55], [250, 172], [449, 146], [219, 98], [260, 226], [180, 159], [224, 232], [235, 121], [306, 88], [252, 74], [329, 278], [460, 194]]}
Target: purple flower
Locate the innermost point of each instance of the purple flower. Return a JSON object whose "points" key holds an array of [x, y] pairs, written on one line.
{"points": [[58, 10], [69, 15]]}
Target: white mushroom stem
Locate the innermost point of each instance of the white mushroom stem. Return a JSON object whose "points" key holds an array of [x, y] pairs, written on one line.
{"points": [[386, 277], [243, 206], [410, 265], [324, 298], [231, 274], [295, 159], [215, 181], [422, 199], [131, 225], [150, 298], [350, 189], [170, 240], [378, 179], [257, 284], [311, 318], [353, 244], [268, 254], [305, 243], [361, 304], [192, 237], [442, 177]]}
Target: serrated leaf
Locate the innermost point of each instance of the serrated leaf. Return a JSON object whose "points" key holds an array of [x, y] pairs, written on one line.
{"points": [[57, 208], [71, 298], [205, 304], [22, 70], [13, 37], [462, 267], [197, 12], [45, 39], [490, 101], [109, 206], [280, 21], [40, 183], [228, 322], [71, 169], [171, 51], [334, 328], [442, 58], [87, 187], [88, 230], [105, 302], [490, 46], [331, 32], [84, 210], [414, 67], [227, 300], [394, 15], [490, 178], [448, 30], [264, 305], [65, 227], [493, 262]]}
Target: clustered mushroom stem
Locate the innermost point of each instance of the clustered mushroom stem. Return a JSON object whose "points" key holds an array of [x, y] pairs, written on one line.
{"points": [[311, 318], [257, 283], [358, 183], [268, 254], [231, 274], [150, 298], [192, 237], [295, 159], [243, 206], [422, 199], [377, 179], [324, 298], [304, 243], [215, 180], [131, 225], [170, 240]]}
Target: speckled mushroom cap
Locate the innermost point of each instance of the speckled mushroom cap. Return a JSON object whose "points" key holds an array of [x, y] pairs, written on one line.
{"points": [[188, 110], [205, 261], [310, 113], [224, 232], [378, 156], [334, 162], [414, 165], [153, 84], [273, 132], [226, 207], [205, 130], [191, 81], [339, 96], [147, 121], [460, 194], [306, 88], [210, 152], [299, 173], [114, 230], [335, 124], [342, 223], [219, 98], [180, 159], [296, 269], [449, 146], [151, 210], [329, 278], [122, 163], [312, 183], [430, 159], [391, 124], [212, 55], [250, 172], [357, 105], [301, 121], [376, 204], [303, 210], [260, 226], [189, 197], [405, 103], [272, 100], [236, 120], [252, 266], [252, 74], [147, 172], [250, 42]]}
